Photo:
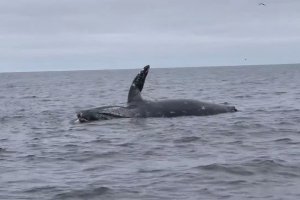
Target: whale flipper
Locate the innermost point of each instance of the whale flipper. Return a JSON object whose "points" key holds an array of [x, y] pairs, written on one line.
{"points": [[137, 85]]}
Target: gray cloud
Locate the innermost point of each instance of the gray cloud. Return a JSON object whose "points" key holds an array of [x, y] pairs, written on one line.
{"points": [[95, 34]]}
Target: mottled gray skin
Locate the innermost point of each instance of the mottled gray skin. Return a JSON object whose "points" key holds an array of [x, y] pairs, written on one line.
{"points": [[137, 107]]}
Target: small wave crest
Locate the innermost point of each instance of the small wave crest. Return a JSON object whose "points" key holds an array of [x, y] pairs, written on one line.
{"points": [[83, 194], [227, 169], [286, 141], [149, 170], [42, 189], [9, 118], [187, 139], [86, 156], [255, 166], [29, 97]]}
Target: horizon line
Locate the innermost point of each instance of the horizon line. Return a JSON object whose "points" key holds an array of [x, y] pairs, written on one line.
{"points": [[108, 69]]}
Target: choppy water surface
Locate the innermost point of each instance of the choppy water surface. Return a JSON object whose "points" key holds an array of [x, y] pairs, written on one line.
{"points": [[254, 153]]}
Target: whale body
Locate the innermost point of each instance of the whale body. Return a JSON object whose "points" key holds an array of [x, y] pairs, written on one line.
{"points": [[137, 107]]}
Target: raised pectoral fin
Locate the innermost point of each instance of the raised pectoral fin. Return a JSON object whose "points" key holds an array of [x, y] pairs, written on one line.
{"points": [[137, 85]]}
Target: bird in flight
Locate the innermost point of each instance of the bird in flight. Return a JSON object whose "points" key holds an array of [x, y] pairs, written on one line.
{"points": [[262, 4]]}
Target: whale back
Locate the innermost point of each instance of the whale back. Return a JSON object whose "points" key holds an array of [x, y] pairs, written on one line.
{"points": [[181, 107], [134, 94]]}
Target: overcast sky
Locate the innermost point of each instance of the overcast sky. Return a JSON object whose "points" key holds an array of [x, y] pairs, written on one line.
{"points": [[38, 35]]}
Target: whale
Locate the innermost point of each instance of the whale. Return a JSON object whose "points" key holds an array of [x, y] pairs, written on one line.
{"points": [[137, 107]]}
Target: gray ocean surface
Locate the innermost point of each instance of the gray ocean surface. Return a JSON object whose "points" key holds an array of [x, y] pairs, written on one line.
{"points": [[250, 154]]}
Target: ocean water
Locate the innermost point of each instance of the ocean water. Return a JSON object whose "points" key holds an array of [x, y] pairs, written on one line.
{"points": [[250, 154]]}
